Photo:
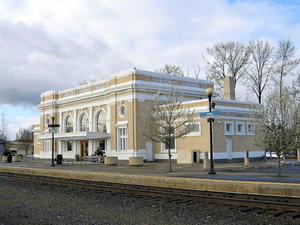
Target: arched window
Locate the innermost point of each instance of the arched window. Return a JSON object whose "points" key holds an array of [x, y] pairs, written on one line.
{"points": [[101, 122], [84, 123], [69, 124]]}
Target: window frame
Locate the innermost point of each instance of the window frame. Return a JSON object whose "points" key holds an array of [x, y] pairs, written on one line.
{"points": [[163, 145], [69, 143], [122, 138], [198, 133], [122, 113], [231, 132], [97, 121], [66, 124], [251, 131], [80, 122], [243, 131], [46, 146], [47, 122]]}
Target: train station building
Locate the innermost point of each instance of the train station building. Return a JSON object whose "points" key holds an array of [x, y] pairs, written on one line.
{"points": [[109, 114]]}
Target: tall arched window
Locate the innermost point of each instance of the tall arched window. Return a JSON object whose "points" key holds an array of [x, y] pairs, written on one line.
{"points": [[84, 123], [101, 122], [69, 124]]}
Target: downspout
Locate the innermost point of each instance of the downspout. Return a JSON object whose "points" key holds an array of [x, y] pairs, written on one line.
{"points": [[133, 115]]}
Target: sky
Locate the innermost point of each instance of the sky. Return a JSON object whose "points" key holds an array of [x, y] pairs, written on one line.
{"points": [[54, 44]]}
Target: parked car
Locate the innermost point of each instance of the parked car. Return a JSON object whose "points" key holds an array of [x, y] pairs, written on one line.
{"points": [[13, 152], [273, 154]]}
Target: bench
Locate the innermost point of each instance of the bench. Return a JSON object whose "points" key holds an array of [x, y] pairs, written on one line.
{"points": [[68, 160]]}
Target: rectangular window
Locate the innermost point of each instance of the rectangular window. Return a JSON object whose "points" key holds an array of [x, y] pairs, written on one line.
{"points": [[240, 128], [164, 146], [69, 146], [67, 94], [229, 128], [122, 133], [100, 86], [46, 145], [172, 146], [83, 90], [249, 129], [194, 129]]}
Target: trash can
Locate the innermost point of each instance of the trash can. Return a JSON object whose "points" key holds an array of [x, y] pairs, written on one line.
{"points": [[76, 157], [59, 159], [9, 158]]}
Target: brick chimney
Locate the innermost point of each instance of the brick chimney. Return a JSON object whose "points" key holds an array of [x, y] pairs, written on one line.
{"points": [[229, 89]]}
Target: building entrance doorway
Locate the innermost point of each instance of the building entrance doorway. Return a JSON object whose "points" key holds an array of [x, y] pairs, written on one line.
{"points": [[195, 159], [149, 150], [84, 149]]}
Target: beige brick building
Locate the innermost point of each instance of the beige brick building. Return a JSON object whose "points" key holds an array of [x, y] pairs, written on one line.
{"points": [[108, 114]]}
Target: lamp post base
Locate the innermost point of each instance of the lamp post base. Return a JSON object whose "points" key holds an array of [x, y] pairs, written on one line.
{"points": [[212, 170], [52, 164]]}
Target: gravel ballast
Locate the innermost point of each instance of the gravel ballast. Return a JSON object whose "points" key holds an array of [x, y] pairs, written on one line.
{"points": [[24, 202]]}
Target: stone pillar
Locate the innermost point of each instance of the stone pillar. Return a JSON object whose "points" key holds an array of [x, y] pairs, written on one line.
{"points": [[246, 158], [60, 122], [298, 154], [229, 88], [90, 119], [60, 147], [108, 118], [74, 120]]}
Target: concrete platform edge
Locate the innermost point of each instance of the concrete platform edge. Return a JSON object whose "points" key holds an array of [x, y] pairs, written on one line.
{"points": [[282, 189]]}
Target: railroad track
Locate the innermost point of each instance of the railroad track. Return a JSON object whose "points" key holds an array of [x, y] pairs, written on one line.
{"points": [[273, 205]]}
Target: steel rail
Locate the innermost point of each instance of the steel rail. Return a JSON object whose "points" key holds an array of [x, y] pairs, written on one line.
{"points": [[283, 203]]}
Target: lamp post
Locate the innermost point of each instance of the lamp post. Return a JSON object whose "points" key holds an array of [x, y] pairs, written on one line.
{"points": [[209, 92], [52, 131]]}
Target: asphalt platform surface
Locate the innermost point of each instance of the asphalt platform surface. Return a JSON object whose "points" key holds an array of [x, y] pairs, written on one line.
{"points": [[257, 171]]}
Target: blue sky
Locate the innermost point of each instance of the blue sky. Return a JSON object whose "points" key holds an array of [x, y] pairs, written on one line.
{"points": [[53, 44]]}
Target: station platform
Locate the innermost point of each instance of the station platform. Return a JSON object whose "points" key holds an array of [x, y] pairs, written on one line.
{"points": [[260, 177]]}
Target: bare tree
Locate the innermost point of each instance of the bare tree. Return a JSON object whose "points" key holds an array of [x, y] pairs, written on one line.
{"points": [[83, 82], [286, 61], [197, 71], [277, 124], [260, 66], [296, 88], [228, 59], [26, 138], [171, 69], [4, 126], [166, 119], [179, 70]]}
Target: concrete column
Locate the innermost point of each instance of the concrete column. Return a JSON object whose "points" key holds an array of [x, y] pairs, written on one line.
{"points": [[74, 120], [246, 158], [90, 119], [60, 122], [108, 118], [60, 147], [298, 154], [205, 161]]}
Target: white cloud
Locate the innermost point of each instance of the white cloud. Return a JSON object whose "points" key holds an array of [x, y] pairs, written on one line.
{"points": [[14, 124], [54, 44]]}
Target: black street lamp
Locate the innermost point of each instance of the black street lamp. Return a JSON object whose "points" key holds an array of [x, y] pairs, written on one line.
{"points": [[52, 131], [209, 92]]}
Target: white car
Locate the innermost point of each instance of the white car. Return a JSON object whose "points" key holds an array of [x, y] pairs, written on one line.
{"points": [[273, 154]]}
